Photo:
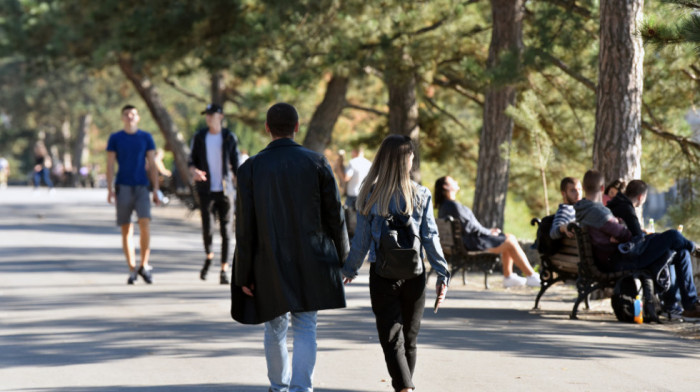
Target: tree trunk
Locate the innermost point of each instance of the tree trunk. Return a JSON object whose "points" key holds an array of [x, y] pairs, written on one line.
{"points": [[494, 144], [66, 158], [150, 95], [617, 147], [403, 113], [320, 131], [80, 147], [217, 88]]}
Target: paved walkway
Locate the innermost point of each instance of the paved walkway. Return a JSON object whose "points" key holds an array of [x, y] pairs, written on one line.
{"points": [[69, 322]]}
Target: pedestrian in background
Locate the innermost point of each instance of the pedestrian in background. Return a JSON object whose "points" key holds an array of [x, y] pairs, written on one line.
{"points": [[132, 148], [213, 164]]}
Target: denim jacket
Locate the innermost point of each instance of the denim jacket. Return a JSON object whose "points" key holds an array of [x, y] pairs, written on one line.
{"points": [[368, 231]]}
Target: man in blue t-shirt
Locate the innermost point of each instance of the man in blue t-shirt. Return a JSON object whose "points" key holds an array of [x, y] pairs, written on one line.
{"points": [[134, 150]]}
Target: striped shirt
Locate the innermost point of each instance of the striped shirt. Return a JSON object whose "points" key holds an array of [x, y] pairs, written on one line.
{"points": [[564, 215]]}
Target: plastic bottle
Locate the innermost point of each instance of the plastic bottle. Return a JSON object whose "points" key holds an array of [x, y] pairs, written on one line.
{"points": [[638, 312], [651, 226]]}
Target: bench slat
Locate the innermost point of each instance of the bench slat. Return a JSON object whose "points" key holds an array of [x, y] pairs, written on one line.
{"points": [[566, 263]]}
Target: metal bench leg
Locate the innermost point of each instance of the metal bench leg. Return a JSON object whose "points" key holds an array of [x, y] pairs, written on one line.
{"points": [[583, 293], [486, 280], [544, 286]]}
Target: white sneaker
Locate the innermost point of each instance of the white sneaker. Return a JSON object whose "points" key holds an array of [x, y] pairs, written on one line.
{"points": [[533, 281], [513, 280]]}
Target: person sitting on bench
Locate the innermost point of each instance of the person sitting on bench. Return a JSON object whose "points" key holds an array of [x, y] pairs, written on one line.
{"points": [[623, 206], [607, 233], [478, 238], [571, 193]]}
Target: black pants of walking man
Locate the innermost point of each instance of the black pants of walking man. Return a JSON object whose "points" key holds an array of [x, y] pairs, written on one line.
{"points": [[215, 205]]}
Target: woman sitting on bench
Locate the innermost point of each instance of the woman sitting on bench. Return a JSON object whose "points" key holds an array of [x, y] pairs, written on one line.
{"points": [[478, 238]]}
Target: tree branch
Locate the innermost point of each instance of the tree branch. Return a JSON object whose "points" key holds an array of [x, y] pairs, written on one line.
{"points": [[181, 90], [459, 87], [445, 112], [570, 5], [567, 70], [365, 109]]}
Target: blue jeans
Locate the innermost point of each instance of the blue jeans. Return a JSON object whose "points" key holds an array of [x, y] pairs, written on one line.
{"points": [[42, 174], [652, 258], [299, 377]]}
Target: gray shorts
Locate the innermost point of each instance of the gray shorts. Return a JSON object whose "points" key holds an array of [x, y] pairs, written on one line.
{"points": [[130, 199]]}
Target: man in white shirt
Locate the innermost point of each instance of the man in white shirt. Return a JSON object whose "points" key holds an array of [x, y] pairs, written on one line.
{"points": [[213, 163], [355, 173]]}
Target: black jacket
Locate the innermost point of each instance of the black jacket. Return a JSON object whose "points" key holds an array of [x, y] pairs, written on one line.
{"points": [[290, 234], [621, 206], [198, 156]]}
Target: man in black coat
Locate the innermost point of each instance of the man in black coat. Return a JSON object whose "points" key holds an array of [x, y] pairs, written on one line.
{"points": [[291, 240], [213, 164]]}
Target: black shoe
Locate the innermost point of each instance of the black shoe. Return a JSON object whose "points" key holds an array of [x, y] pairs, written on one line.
{"points": [[205, 269], [133, 275], [223, 278], [146, 274]]}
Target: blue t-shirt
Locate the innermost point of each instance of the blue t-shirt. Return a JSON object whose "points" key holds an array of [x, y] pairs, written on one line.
{"points": [[131, 155]]}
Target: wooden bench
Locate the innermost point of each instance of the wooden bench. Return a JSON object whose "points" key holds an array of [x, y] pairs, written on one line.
{"points": [[590, 276], [561, 266], [458, 257]]}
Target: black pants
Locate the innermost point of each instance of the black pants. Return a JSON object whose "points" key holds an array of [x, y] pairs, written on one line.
{"points": [[216, 205], [398, 308]]}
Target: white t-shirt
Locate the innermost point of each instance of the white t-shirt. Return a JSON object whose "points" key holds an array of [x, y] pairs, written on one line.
{"points": [[358, 168], [214, 144]]}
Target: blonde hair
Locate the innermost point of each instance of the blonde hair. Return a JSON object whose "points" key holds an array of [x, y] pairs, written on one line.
{"points": [[389, 177]]}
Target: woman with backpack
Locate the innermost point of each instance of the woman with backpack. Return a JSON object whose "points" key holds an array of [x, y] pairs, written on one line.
{"points": [[390, 205]]}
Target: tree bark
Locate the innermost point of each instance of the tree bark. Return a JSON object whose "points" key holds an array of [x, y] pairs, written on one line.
{"points": [[66, 159], [617, 147], [150, 95], [494, 144], [403, 113], [320, 131], [217, 88], [80, 150]]}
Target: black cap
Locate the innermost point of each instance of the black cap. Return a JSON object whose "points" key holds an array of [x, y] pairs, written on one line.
{"points": [[213, 108]]}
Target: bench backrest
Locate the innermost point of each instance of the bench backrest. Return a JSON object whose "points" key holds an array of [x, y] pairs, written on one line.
{"points": [[567, 257], [450, 236], [588, 265]]}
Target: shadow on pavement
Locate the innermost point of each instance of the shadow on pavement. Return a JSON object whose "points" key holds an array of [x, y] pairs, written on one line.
{"points": [[178, 388]]}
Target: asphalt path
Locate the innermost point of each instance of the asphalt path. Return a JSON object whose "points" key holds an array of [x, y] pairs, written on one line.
{"points": [[69, 321]]}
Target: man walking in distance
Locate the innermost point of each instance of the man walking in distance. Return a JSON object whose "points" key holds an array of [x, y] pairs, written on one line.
{"points": [[355, 173], [133, 148], [290, 240], [213, 162]]}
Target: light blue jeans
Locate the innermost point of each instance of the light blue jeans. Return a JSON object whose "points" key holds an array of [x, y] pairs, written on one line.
{"points": [[299, 377]]}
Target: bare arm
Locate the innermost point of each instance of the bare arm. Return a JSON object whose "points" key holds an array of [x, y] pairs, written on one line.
{"points": [[153, 171], [111, 158]]}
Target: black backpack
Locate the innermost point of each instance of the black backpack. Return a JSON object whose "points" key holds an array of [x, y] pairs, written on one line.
{"points": [[544, 243], [626, 290], [399, 251]]}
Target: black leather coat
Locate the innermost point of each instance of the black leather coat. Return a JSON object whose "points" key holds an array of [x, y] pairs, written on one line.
{"points": [[290, 234]]}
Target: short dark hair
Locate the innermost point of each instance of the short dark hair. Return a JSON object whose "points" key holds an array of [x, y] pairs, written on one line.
{"points": [[439, 193], [636, 188], [127, 107], [566, 181], [592, 181], [618, 184], [282, 118]]}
